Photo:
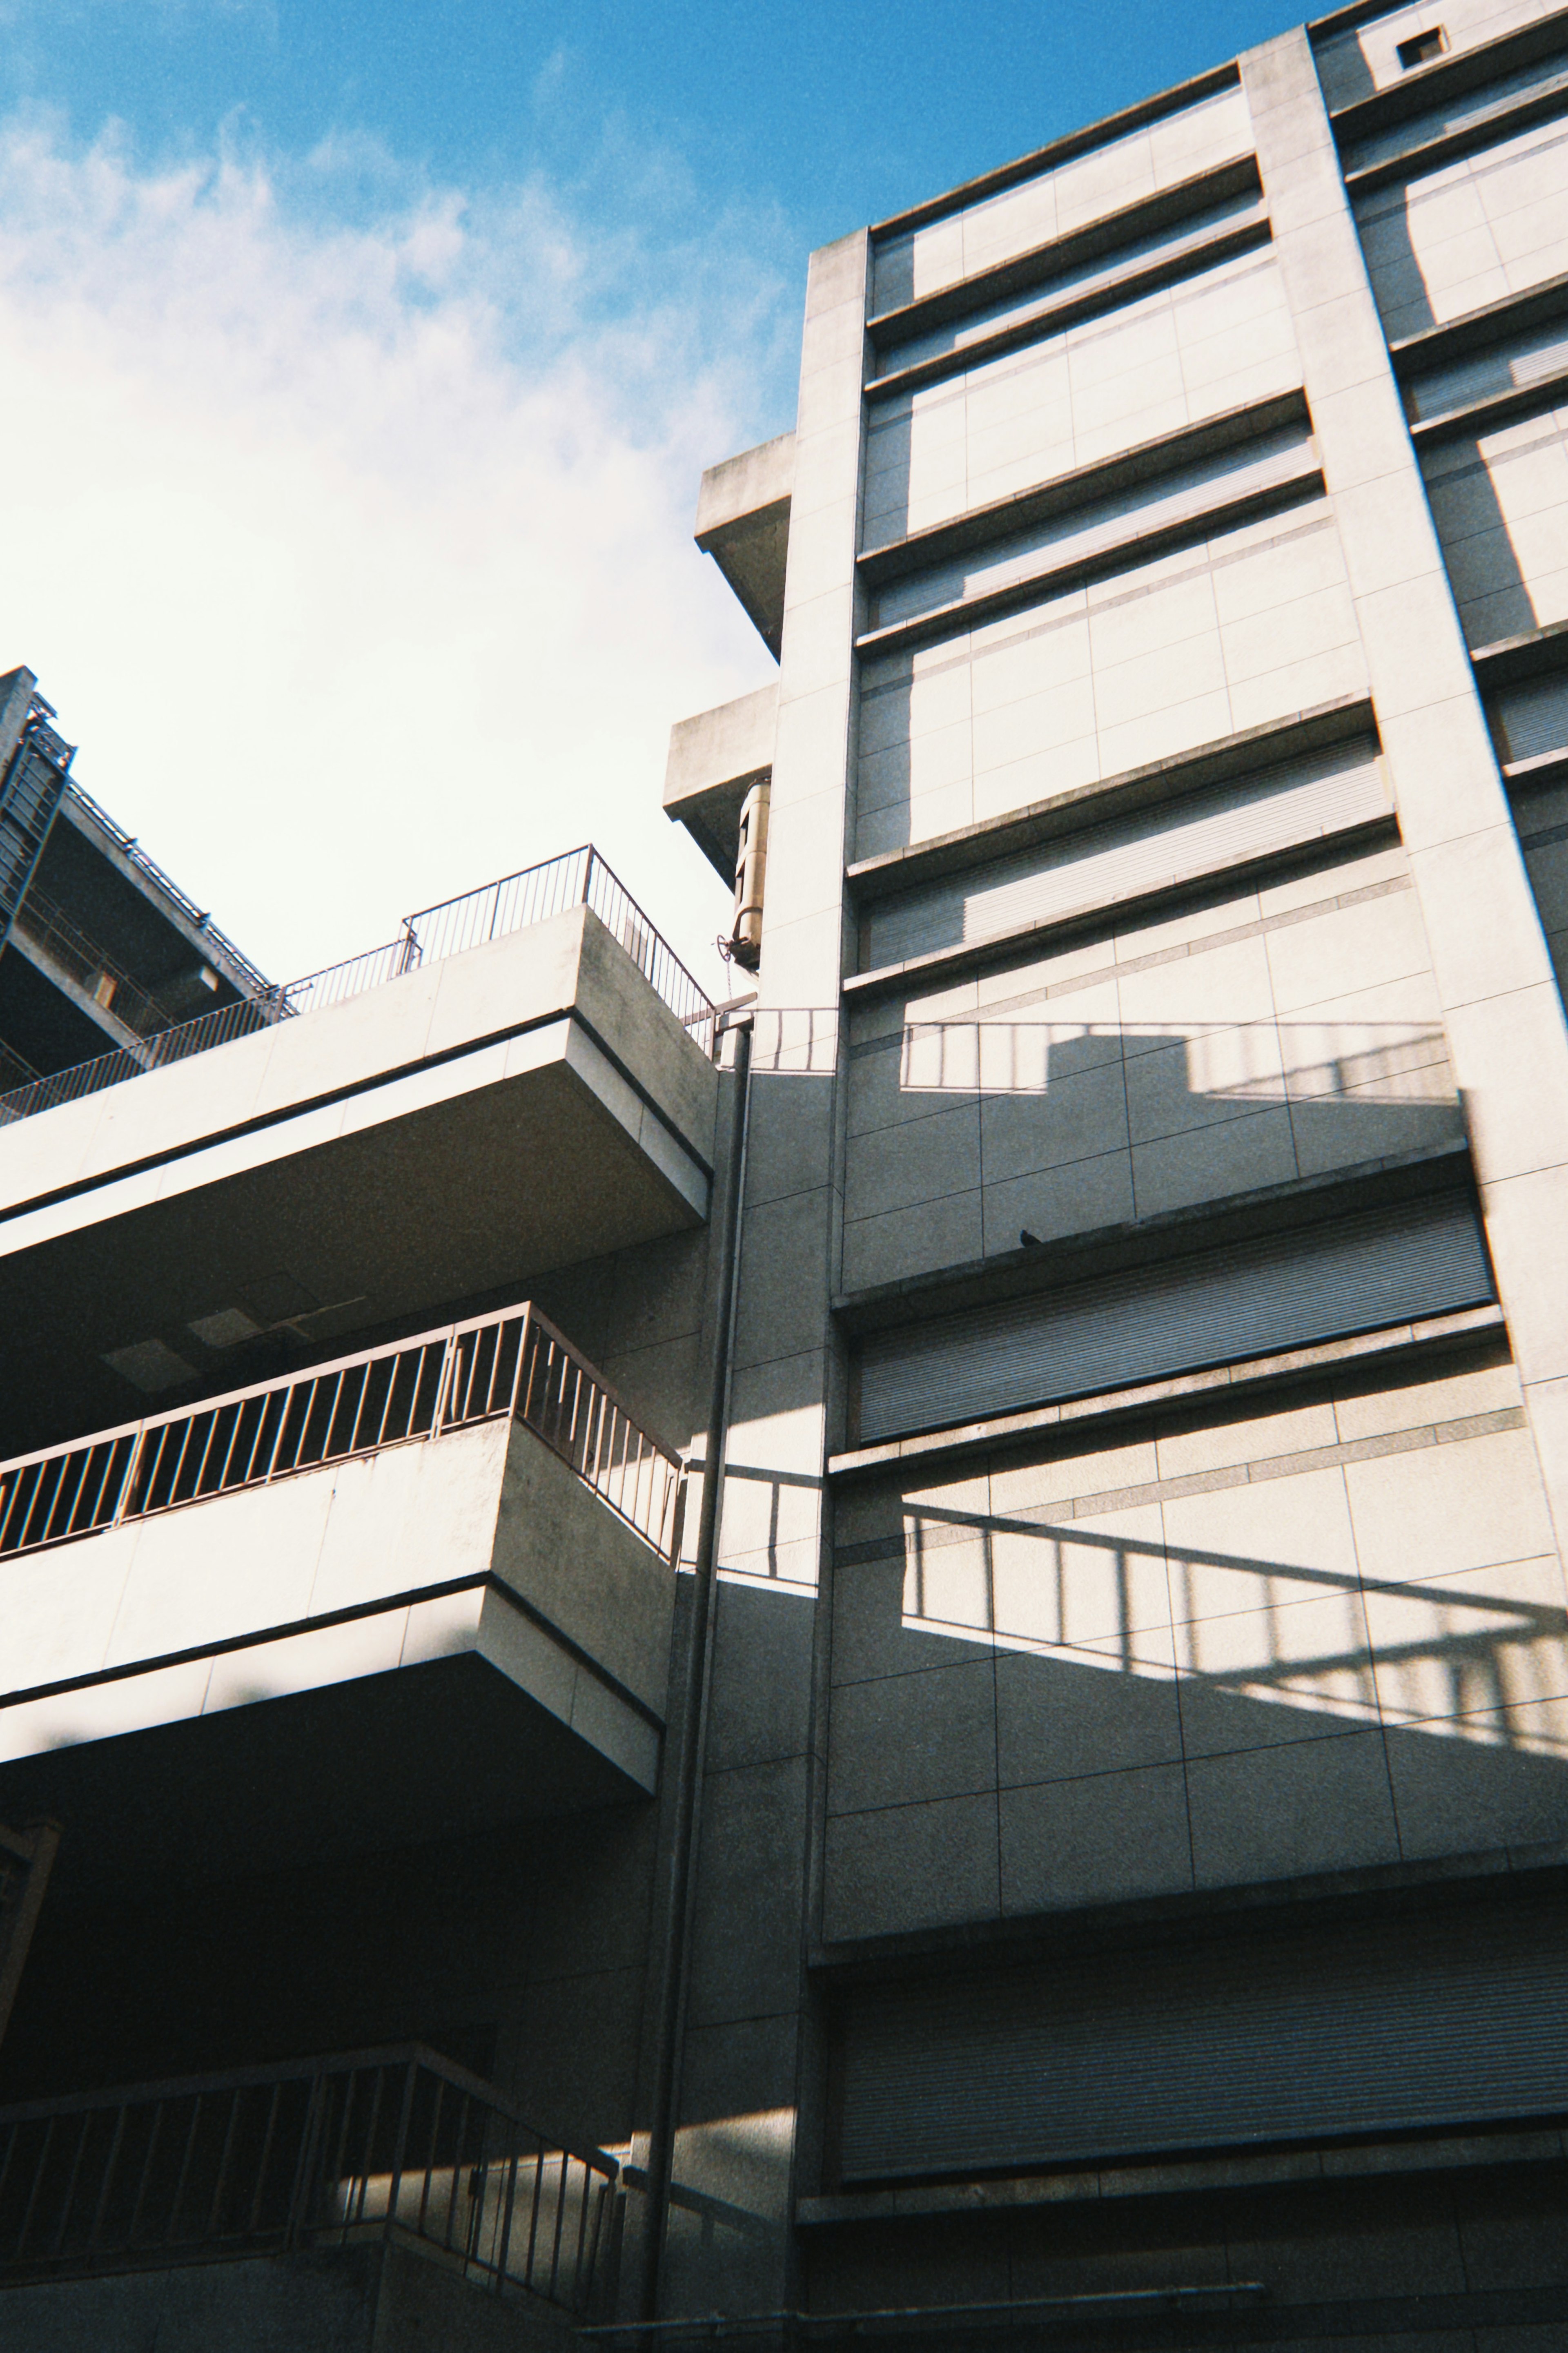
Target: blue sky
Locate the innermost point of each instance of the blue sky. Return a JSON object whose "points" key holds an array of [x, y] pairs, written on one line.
{"points": [[366, 357]]}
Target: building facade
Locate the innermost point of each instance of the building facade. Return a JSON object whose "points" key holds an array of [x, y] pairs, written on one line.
{"points": [[1068, 1833]]}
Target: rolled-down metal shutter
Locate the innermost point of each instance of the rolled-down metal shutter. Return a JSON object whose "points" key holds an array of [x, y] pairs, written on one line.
{"points": [[1386, 2027], [1298, 801], [1283, 1290], [1530, 720]]}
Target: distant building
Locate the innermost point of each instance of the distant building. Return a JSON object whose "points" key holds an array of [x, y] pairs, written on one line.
{"points": [[1082, 1853]]}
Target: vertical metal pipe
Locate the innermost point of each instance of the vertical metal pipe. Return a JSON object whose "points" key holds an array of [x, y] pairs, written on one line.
{"points": [[693, 1717]]}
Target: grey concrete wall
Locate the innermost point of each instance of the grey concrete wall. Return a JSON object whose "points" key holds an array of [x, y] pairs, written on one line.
{"points": [[348, 2301], [1215, 341], [1270, 1034], [1254, 626], [1220, 1649]]}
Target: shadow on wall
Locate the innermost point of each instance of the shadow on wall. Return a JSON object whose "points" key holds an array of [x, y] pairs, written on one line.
{"points": [[1472, 1664], [1489, 578], [1006, 1126], [1188, 1079]]}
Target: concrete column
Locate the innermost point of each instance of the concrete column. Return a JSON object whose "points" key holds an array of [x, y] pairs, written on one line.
{"points": [[1500, 1004], [744, 2043]]}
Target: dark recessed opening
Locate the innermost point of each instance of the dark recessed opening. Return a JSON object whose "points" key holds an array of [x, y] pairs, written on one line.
{"points": [[1422, 47]]}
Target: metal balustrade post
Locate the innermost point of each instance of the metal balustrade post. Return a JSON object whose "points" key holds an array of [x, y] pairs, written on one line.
{"points": [[400, 2146]]}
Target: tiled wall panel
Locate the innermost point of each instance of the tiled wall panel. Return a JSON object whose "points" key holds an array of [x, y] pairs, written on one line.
{"points": [[1212, 344], [1253, 626], [1483, 227], [1160, 155], [1281, 808], [1218, 1650], [1272, 1034], [1500, 504], [1097, 273], [1279, 465]]}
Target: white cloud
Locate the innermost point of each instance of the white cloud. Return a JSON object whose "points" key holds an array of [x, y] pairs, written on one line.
{"points": [[347, 522]]}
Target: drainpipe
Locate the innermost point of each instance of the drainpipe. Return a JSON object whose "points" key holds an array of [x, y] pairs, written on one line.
{"points": [[681, 1899]]}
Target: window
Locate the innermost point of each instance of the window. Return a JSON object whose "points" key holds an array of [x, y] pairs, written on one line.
{"points": [[1422, 47]]}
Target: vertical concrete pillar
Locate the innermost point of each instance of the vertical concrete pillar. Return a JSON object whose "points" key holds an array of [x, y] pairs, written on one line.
{"points": [[1500, 1004], [743, 2040]]}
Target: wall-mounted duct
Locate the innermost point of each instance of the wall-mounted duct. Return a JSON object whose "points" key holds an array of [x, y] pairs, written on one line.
{"points": [[750, 877]]}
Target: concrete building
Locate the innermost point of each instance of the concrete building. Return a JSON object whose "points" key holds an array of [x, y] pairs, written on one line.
{"points": [[1082, 1848]]}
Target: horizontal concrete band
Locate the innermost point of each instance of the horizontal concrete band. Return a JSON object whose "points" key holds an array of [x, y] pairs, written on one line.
{"points": [[1486, 127], [1086, 486], [1125, 555], [1108, 910], [1425, 87], [1241, 1378], [1185, 2177], [1155, 781], [1113, 292]]}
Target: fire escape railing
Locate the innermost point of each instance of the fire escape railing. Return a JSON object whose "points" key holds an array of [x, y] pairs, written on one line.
{"points": [[510, 1364], [317, 2153]]}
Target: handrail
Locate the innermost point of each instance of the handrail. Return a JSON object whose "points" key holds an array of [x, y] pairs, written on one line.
{"points": [[312, 2153], [511, 1364], [130, 848], [533, 894]]}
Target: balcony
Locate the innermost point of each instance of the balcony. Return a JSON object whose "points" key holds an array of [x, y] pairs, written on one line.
{"points": [[406, 1594], [385, 2184], [517, 1083]]}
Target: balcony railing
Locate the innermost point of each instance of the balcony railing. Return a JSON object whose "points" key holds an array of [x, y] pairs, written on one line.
{"points": [[49, 926], [579, 878], [320, 2153], [514, 1364]]}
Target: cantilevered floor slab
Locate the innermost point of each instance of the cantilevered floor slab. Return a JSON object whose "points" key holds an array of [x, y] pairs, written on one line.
{"points": [[450, 1133], [397, 1648]]}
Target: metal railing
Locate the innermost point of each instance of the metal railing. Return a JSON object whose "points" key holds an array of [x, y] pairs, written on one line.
{"points": [[580, 878], [512, 1364], [49, 927], [244, 972], [319, 2153]]}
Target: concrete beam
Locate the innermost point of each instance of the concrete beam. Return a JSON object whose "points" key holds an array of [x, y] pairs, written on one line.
{"points": [[743, 522], [715, 759]]}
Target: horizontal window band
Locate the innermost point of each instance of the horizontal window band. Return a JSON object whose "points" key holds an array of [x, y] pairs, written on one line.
{"points": [[1156, 781], [1152, 1243], [1139, 548], [1533, 654], [1521, 2142], [1400, 1263], [1488, 129], [1247, 1379], [1264, 813], [1212, 83], [1478, 331], [1118, 293], [1495, 409], [1064, 494], [1003, 947]]}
